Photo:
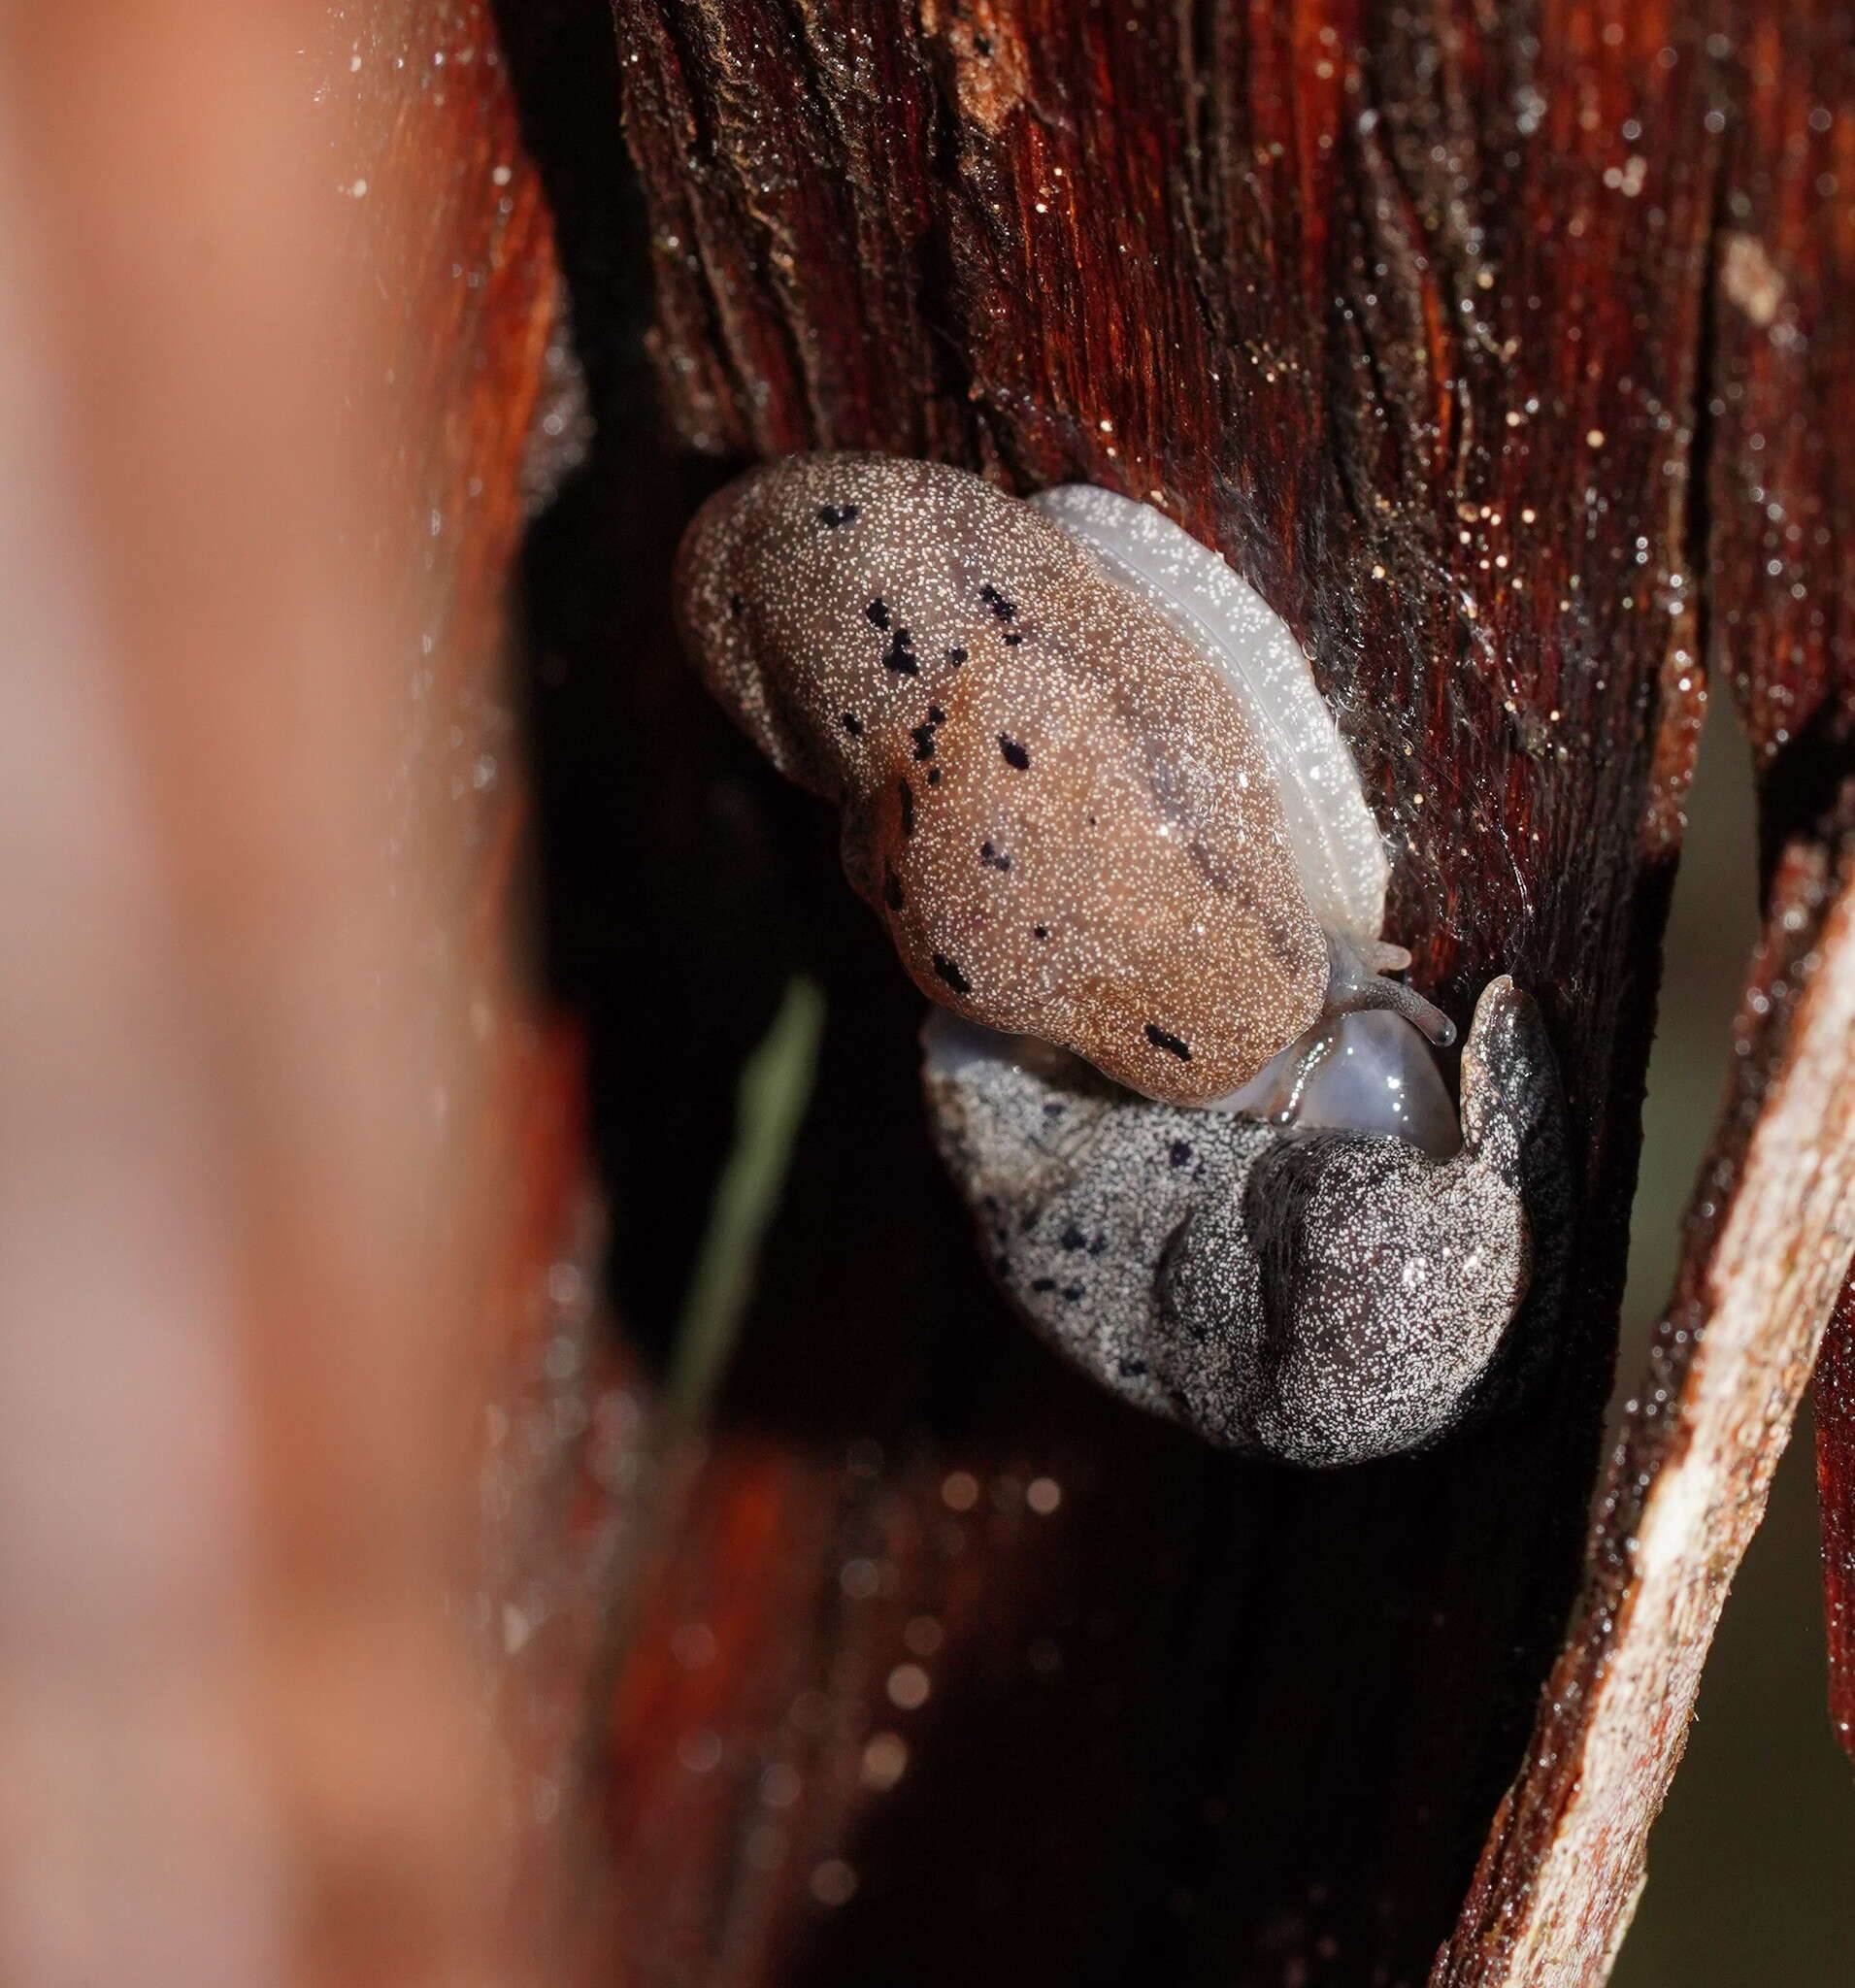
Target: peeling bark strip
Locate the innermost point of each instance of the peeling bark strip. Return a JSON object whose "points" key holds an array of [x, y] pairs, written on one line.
{"points": [[1769, 1236], [1409, 314], [1783, 543]]}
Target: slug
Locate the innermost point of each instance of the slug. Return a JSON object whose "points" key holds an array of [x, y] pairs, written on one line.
{"points": [[1089, 783], [1316, 1296], [1086, 778]]}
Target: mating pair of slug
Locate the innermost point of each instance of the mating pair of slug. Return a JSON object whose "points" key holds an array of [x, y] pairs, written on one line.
{"points": [[1088, 782]]}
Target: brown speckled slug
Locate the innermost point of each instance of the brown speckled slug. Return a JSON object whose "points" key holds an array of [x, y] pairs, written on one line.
{"points": [[1085, 774], [1089, 783]]}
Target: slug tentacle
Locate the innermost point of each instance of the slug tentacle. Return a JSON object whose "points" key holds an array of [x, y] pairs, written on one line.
{"points": [[1356, 983]]}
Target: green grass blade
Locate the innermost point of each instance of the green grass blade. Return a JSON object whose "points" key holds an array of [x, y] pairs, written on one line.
{"points": [[769, 1106]]}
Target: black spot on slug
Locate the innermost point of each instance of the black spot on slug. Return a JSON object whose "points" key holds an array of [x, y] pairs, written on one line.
{"points": [[1039, 931], [1130, 1369], [853, 724], [1180, 1153], [1071, 1292], [981, 45], [1005, 610], [892, 888], [835, 515], [1040, 1284], [957, 656], [735, 603], [1071, 1237], [907, 811], [934, 775], [991, 859], [878, 613], [951, 975], [1012, 640], [1160, 1040], [900, 657], [1054, 1111], [923, 734], [1015, 753]]}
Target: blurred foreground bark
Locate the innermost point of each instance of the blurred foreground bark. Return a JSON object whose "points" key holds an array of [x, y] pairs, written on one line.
{"points": [[285, 1152]]}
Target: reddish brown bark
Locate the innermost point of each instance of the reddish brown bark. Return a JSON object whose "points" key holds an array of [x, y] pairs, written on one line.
{"points": [[279, 1109], [1406, 312], [1783, 516], [937, 1665], [1421, 317], [1781, 602]]}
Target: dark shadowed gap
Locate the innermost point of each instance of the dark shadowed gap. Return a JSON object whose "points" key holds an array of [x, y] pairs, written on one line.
{"points": [[648, 824], [683, 883]]}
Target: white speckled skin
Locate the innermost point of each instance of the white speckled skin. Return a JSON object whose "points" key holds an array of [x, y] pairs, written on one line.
{"points": [[1085, 774], [1322, 1298]]}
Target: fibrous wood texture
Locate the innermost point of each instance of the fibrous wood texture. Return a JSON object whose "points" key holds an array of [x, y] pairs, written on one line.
{"points": [[1835, 1404], [1784, 557], [1462, 335], [1770, 1230]]}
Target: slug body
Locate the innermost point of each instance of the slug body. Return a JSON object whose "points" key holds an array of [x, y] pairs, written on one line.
{"points": [[1086, 778], [1319, 1296], [1088, 782]]}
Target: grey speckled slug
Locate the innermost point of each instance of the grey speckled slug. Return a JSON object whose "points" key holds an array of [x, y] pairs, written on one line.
{"points": [[1089, 783], [1321, 1296]]}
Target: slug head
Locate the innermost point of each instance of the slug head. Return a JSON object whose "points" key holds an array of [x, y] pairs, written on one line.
{"points": [[1064, 817]]}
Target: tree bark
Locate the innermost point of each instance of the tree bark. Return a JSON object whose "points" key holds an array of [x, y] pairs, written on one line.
{"points": [[1769, 1233], [1466, 338]]}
